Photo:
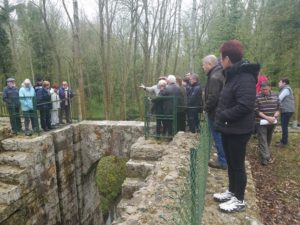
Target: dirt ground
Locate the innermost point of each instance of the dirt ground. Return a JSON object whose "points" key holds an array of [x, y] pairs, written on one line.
{"points": [[278, 184]]}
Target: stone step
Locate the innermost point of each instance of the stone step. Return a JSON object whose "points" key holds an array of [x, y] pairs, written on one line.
{"points": [[3, 212], [13, 158], [11, 174], [131, 185], [138, 169], [9, 193], [147, 150]]}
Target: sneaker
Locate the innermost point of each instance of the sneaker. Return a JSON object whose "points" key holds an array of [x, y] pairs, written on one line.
{"points": [[28, 133], [223, 197], [216, 165], [234, 205]]}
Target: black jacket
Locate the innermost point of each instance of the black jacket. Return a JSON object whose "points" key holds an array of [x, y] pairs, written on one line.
{"points": [[213, 88], [11, 96], [194, 98], [157, 105], [174, 91], [235, 111], [43, 99]]}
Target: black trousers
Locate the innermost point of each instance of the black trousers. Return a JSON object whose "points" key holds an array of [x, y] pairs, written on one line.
{"points": [[65, 109], [181, 121], [235, 150], [14, 118], [45, 118], [161, 126]]}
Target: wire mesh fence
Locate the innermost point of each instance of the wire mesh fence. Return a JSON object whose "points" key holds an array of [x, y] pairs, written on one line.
{"points": [[190, 200], [165, 115]]}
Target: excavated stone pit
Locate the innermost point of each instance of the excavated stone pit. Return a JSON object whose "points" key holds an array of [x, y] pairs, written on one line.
{"points": [[50, 179]]}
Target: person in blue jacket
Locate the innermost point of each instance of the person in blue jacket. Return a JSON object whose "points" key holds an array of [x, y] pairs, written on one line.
{"points": [[11, 98], [44, 104], [27, 95]]}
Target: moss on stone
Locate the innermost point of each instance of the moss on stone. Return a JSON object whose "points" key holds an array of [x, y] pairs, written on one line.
{"points": [[111, 172]]}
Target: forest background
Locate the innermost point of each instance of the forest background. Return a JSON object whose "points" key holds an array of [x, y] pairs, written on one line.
{"points": [[108, 51]]}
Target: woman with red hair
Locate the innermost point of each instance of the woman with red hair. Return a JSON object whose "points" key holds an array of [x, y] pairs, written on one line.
{"points": [[235, 120]]}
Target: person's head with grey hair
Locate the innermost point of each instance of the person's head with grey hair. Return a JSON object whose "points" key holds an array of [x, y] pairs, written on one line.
{"points": [[27, 83], [208, 62], [194, 78], [171, 79], [162, 84]]}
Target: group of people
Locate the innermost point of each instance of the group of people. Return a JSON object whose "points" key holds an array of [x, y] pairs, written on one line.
{"points": [[183, 94], [238, 101], [52, 102]]}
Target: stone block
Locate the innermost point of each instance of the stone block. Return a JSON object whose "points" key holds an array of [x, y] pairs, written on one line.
{"points": [[130, 186], [9, 193], [40, 143], [12, 174], [147, 150], [138, 169], [14, 158]]}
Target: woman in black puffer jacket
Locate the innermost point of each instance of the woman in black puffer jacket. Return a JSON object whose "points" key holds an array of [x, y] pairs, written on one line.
{"points": [[235, 120]]}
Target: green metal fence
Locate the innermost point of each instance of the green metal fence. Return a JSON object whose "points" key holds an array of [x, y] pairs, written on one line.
{"points": [[156, 114], [191, 199]]}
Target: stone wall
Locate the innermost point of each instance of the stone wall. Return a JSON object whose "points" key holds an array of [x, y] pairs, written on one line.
{"points": [[50, 179]]}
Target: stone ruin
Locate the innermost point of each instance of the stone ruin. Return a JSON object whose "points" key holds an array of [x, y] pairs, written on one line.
{"points": [[50, 179]]}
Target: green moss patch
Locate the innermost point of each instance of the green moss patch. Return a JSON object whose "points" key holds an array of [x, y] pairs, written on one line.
{"points": [[111, 172]]}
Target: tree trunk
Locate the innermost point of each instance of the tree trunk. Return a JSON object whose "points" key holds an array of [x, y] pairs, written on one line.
{"points": [[51, 38], [78, 62]]}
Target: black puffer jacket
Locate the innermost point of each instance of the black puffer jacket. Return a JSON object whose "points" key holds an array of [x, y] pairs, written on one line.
{"points": [[235, 111]]}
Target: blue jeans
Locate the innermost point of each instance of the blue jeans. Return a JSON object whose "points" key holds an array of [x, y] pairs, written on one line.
{"points": [[218, 142], [285, 118]]}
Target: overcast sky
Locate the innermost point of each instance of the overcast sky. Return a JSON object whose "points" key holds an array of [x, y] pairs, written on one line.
{"points": [[89, 7]]}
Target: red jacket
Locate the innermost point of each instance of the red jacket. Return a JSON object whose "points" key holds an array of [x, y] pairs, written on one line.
{"points": [[260, 79]]}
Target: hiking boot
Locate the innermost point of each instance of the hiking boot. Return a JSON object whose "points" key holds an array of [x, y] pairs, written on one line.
{"points": [[216, 165], [223, 197], [264, 162], [233, 205]]}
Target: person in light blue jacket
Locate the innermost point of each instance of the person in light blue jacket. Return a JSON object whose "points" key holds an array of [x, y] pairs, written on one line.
{"points": [[26, 94]]}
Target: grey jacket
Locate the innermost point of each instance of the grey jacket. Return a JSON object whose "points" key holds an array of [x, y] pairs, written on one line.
{"points": [[287, 104]]}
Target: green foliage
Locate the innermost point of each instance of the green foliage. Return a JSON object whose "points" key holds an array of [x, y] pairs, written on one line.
{"points": [[111, 172], [269, 31], [34, 34], [6, 64], [5, 56]]}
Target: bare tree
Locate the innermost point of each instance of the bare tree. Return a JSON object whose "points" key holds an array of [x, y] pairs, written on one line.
{"points": [[77, 62], [43, 11]]}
